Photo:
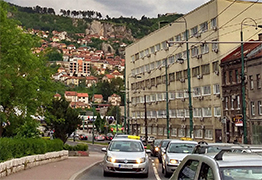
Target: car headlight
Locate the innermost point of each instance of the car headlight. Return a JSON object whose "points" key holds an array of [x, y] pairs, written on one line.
{"points": [[111, 159], [156, 149], [173, 161], [140, 160]]}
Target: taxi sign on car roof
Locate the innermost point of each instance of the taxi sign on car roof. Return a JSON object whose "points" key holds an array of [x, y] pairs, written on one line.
{"points": [[133, 137], [186, 139]]}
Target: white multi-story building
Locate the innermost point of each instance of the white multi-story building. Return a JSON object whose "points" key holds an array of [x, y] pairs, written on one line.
{"points": [[213, 31]]}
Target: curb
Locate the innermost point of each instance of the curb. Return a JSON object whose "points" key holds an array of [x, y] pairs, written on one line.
{"points": [[81, 172]]}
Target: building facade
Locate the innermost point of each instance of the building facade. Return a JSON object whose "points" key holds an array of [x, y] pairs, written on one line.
{"points": [[157, 68]]}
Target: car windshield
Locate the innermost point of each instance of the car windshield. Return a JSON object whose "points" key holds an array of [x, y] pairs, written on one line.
{"points": [[180, 148], [126, 146], [241, 173]]}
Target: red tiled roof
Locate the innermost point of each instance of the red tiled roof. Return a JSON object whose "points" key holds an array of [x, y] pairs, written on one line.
{"points": [[98, 96], [82, 94], [71, 93]]}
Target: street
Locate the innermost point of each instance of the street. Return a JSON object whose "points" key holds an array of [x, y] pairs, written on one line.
{"points": [[96, 172]]}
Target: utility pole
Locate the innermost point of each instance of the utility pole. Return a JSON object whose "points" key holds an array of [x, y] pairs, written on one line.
{"points": [[145, 119]]}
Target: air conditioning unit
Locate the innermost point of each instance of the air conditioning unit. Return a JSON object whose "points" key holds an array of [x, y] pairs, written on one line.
{"points": [[202, 119], [216, 72], [180, 60], [198, 35], [199, 56], [183, 126], [182, 80], [215, 50], [200, 76], [202, 127], [214, 28], [183, 119], [149, 71], [200, 97]]}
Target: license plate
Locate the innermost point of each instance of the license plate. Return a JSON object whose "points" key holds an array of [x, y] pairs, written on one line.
{"points": [[125, 166]]}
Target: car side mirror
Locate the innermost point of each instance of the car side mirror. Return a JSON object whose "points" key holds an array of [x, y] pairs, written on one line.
{"points": [[103, 149], [148, 151]]}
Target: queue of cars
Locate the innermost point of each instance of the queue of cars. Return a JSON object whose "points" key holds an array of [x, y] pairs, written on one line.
{"points": [[184, 159]]}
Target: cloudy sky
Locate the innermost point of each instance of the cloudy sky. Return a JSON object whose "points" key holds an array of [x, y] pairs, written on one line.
{"points": [[117, 8]]}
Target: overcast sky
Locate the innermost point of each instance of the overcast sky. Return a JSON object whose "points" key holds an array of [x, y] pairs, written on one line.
{"points": [[117, 8]]}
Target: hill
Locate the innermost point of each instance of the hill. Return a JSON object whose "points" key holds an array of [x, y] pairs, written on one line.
{"points": [[43, 18]]}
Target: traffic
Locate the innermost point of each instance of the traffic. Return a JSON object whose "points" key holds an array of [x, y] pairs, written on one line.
{"points": [[128, 157]]}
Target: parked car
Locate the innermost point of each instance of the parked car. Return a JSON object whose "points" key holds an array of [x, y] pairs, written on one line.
{"points": [[175, 152], [163, 145], [82, 137], [155, 147], [100, 137], [125, 156], [220, 166], [109, 136]]}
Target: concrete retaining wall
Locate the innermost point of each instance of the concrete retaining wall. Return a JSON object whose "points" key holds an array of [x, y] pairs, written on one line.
{"points": [[18, 164]]}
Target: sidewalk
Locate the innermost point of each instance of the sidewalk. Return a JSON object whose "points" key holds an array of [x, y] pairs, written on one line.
{"points": [[67, 169]]}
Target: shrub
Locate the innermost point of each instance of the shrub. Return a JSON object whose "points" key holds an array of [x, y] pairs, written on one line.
{"points": [[19, 147], [78, 147]]}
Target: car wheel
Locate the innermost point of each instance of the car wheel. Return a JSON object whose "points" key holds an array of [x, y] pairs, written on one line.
{"points": [[145, 175], [106, 173]]}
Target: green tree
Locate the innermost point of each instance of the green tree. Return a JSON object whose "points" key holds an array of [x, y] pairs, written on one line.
{"points": [[25, 78], [62, 118], [53, 55]]}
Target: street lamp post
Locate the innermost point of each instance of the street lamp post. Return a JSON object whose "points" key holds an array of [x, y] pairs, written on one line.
{"points": [[189, 82], [243, 80], [167, 108]]}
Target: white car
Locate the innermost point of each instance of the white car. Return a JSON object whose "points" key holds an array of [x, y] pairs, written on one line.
{"points": [[174, 153], [220, 166], [125, 155]]}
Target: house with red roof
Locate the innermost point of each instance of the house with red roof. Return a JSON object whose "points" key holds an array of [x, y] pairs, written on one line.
{"points": [[82, 97], [114, 100], [97, 98], [71, 96]]}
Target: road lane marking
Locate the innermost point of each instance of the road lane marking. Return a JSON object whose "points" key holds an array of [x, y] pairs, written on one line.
{"points": [[155, 170]]}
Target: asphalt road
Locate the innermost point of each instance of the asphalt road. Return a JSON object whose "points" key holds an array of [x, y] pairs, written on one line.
{"points": [[96, 173]]}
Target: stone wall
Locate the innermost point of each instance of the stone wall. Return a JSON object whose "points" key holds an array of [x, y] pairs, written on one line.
{"points": [[18, 164]]}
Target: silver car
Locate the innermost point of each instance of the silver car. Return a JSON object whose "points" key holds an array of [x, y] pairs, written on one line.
{"points": [[174, 153], [220, 166], [125, 155]]}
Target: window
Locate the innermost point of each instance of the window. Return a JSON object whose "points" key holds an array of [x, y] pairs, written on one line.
{"points": [[171, 77], [217, 112], [215, 66], [180, 94], [186, 113], [206, 90], [171, 59], [160, 131], [208, 134], [174, 132], [197, 112], [204, 48], [141, 54], [196, 91], [232, 101], [178, 37], [180, 113], [251, 81], [207, 112], [215, 46], [195, 71], [213, 23], [258, 81], [172, 113], [237, 76], [181, 132], [132, 59], [171, 44], [179, 75], [147, 52], [152, 65], [238, 102], [178, 56], [194, 31], [157, 47], [206, 172], [199, 133], [230, 77], [259, 105], [216, 89], [185, 73], [226, 103], [154, 130], [164, 45], [204, 27], [252, 104], [152, 49], [189, 170], [205, 69], [194, 51], [184, 35], [136, 56], [172, 95]]}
